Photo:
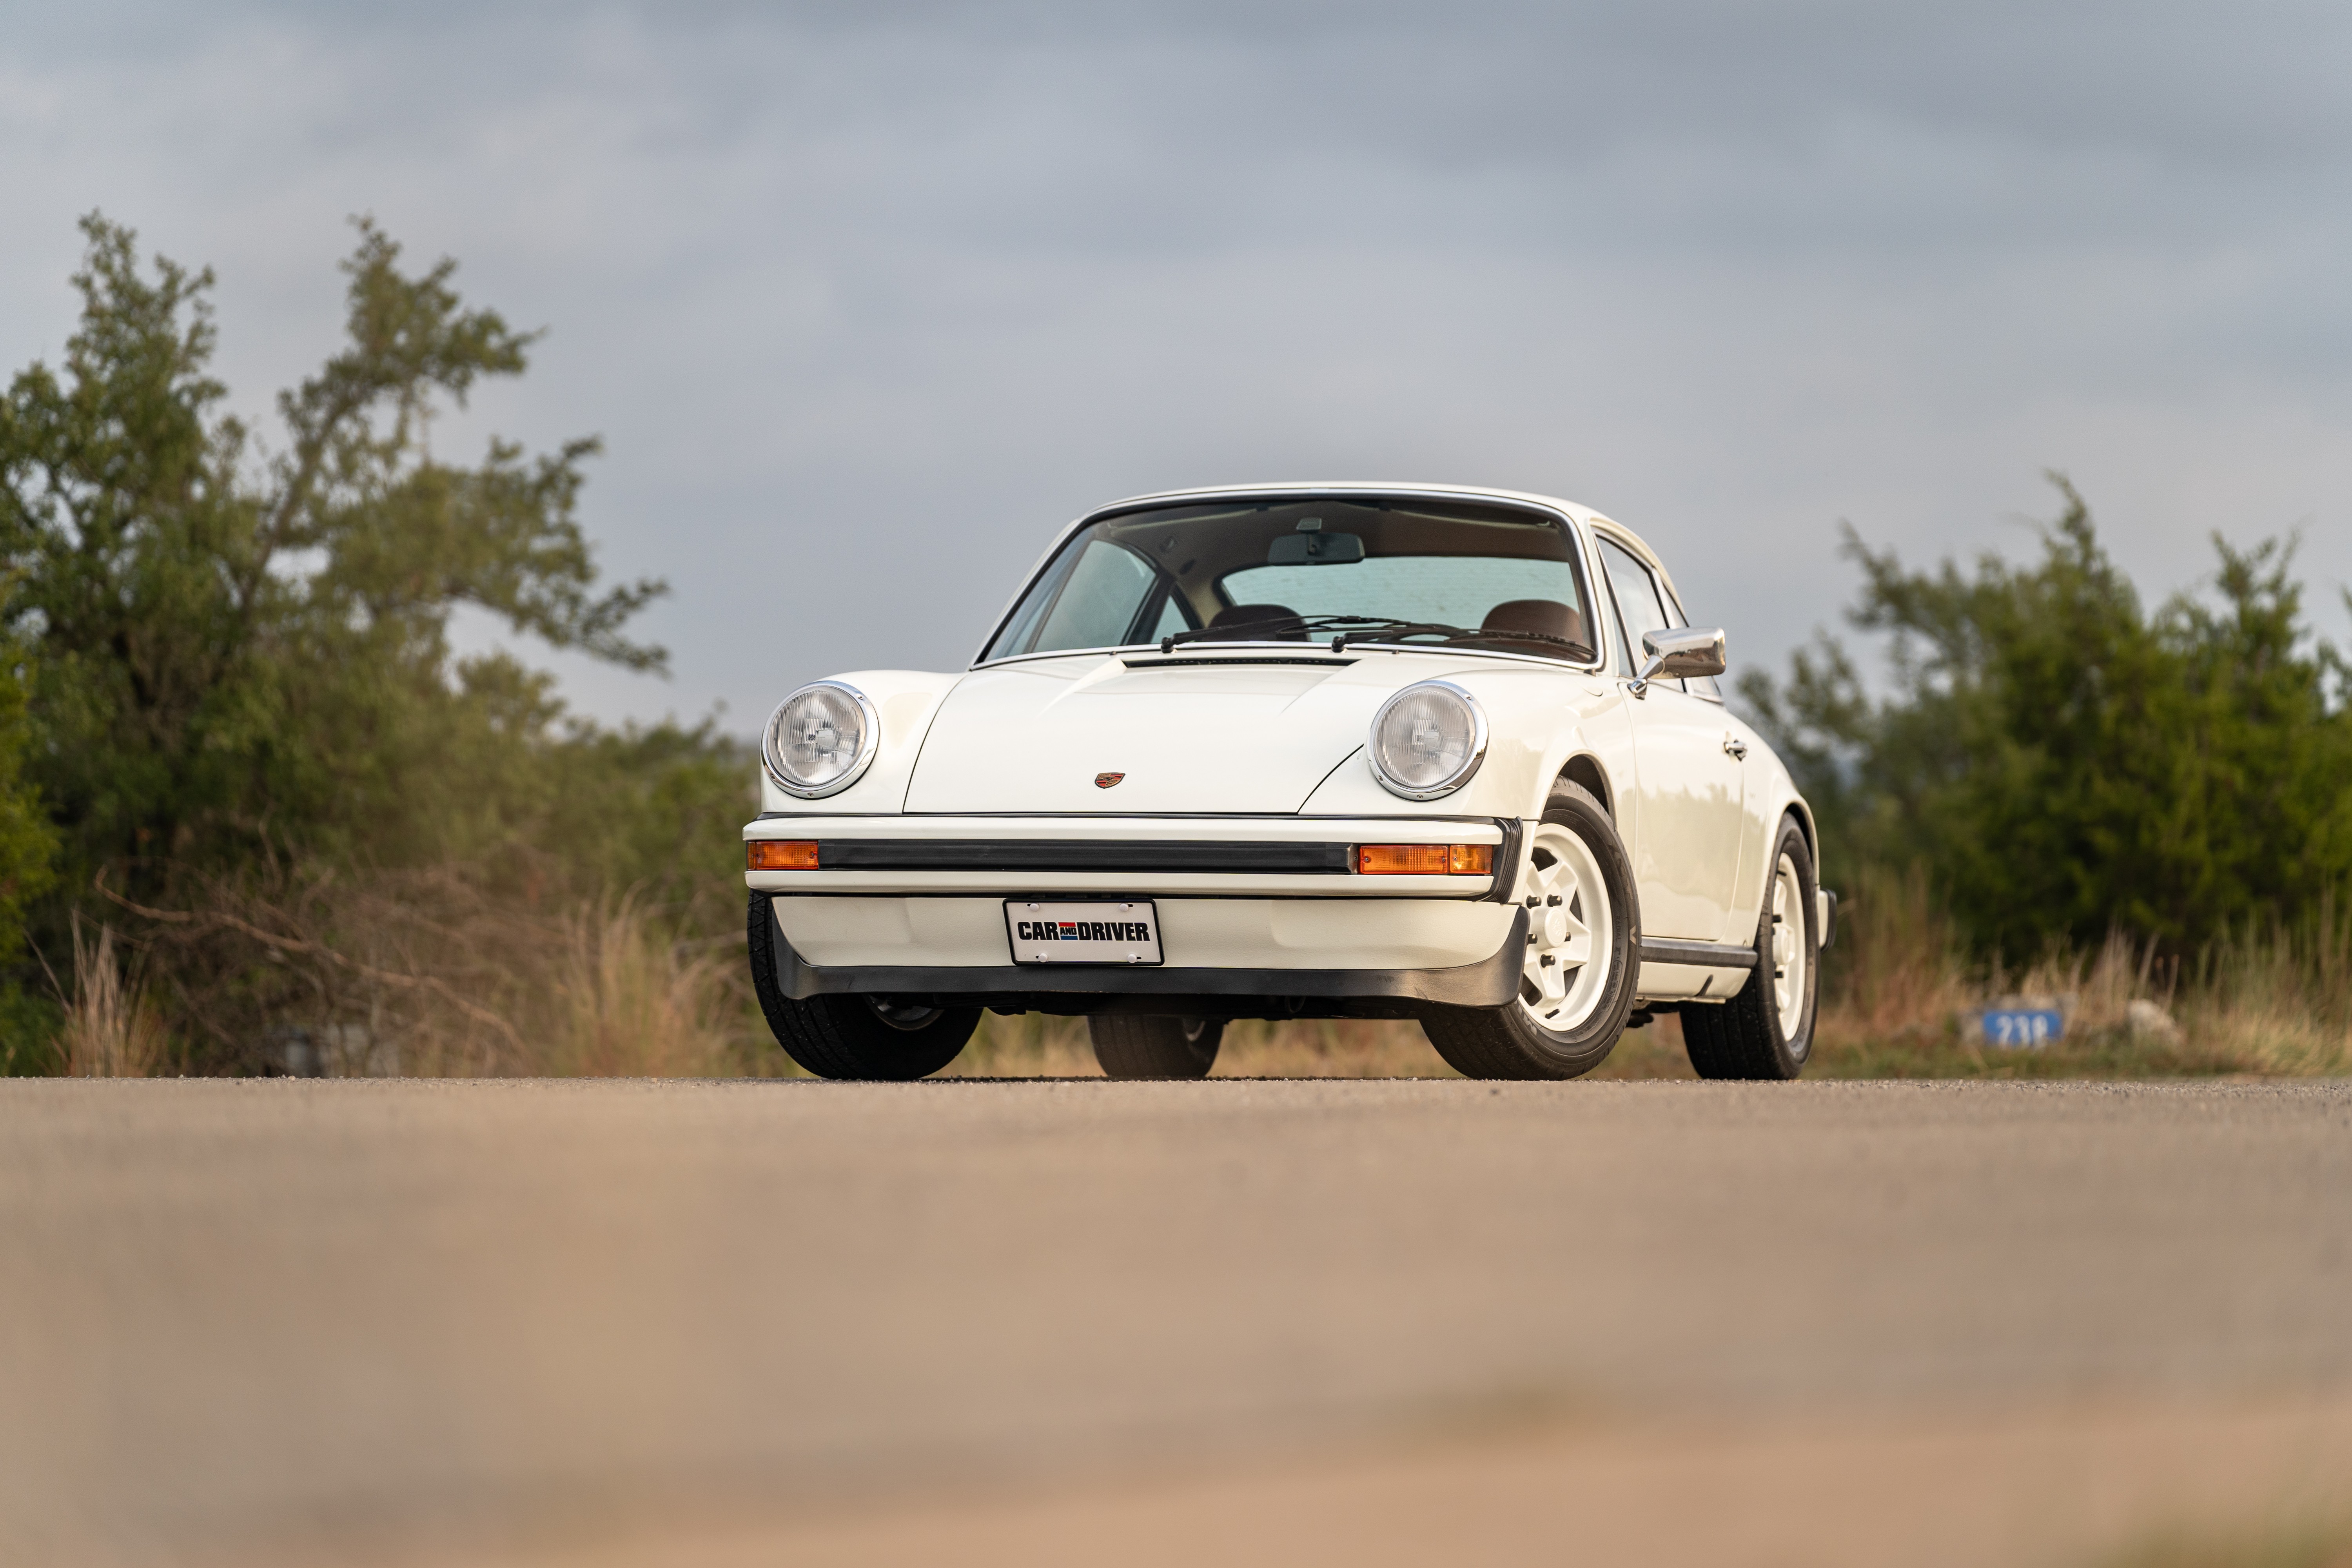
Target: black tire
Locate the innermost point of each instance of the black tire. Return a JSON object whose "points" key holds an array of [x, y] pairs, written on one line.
{"points": [[1140, 1044], [1508, 1042], [1744, 1037], [852, 1036]]}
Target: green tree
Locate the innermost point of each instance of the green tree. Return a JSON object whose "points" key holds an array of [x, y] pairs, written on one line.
{"points": [[27, 844], [239, 646], [2065, 761], [241, 662]]}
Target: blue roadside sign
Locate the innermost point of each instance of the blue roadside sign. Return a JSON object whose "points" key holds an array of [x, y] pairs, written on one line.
{"points": [[2014, 1027]]}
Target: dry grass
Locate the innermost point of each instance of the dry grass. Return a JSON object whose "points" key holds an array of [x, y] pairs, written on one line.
{"points": [[607, 989], [428, 974], [1329, 1047], [626, 1000], [1899, 998], [110, 1031], [1896, 974], [2278, 1000], [1029, 1044], [1037, 1046], [1652, 1052], [424, 973]]}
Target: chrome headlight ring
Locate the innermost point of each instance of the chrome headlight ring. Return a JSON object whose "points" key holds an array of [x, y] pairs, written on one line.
{"points": [[809, 724], [1393, 766]]}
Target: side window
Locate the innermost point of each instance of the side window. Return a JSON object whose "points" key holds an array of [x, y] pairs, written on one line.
{"points": [[1638, 601], [1096, 606], [1172, 618], [1020, 633]]}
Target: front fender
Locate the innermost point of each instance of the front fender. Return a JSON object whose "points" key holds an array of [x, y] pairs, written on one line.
{"points": [[1537, 721]]}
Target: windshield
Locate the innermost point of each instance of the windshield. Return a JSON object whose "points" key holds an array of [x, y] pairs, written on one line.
{"points": [[1374, 570]]}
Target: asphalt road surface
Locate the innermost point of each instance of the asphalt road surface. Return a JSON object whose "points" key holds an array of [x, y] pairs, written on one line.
{"points": [[622, 1322]]}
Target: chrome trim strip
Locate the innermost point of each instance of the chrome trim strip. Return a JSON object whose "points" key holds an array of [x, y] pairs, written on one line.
{"points": [[1697, 955]]}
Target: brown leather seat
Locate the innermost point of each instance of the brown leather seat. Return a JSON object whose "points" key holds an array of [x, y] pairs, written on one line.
{"points": [[1256, 623], [1548, 616]]}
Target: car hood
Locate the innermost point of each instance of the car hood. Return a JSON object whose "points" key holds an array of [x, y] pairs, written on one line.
{"points": [[1094, 733]]}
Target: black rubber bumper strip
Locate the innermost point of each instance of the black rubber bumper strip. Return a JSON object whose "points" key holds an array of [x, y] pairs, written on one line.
{"points": [[1507, 862], [1015, 855], [1489, 982], [1702, 954]]}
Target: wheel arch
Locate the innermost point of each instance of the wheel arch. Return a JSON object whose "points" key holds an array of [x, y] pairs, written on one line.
{"points": [[1792, 807], [1803, 812], [1585, 769]]}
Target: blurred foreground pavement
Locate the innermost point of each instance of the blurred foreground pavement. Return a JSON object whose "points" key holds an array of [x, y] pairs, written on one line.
{"points": [[288, 1321]]}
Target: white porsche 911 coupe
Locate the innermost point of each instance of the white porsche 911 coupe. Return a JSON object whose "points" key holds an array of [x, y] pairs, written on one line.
{"points": [[1295, 751]]}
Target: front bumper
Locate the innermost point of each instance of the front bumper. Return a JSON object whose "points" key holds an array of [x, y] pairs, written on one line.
{"points": [[1259, 917], [1282, 953]]}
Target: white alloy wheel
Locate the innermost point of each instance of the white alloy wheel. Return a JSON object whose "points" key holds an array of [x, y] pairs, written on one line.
{"points": [[1792, 953], [1570, 932], [1576, 973]]}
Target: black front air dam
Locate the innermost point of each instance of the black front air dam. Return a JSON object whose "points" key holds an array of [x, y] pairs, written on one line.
{"points": [[1194, 993]]}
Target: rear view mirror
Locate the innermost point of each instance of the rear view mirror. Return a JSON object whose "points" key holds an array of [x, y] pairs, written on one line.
{"points": [[1679, 653], [1316, 549]]}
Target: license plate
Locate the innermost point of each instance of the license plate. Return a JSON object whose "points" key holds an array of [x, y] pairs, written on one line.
{"points": [[1096, 930]]}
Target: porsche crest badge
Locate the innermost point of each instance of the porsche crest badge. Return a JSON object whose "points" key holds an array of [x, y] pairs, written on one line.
{"points": [[1104, 781]]}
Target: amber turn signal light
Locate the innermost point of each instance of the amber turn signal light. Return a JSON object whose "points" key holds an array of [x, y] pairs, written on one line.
{"points": [[1426, 859], [783, 854]]}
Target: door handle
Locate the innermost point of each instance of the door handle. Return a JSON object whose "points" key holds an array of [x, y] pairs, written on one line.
{"points": [[1737, 747]]}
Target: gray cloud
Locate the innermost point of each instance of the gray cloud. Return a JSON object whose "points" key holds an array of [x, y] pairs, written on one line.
{"points": [[867, 299]]}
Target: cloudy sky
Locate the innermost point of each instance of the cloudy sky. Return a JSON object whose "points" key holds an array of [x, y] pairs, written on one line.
{"points": [[868, 299]]}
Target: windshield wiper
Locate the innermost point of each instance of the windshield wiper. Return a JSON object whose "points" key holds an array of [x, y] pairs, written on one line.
{"points": [[1276, 628], [1381, 628], [1505, 634], [1283, 628], [1362, 629], [1384, 628]]}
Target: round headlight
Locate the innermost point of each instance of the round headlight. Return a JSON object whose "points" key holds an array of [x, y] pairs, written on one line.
{"points": [[1427, 740], [819, 739]]}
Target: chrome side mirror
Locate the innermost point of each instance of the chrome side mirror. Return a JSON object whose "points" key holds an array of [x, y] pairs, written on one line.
{"points": [[1673, 655]]}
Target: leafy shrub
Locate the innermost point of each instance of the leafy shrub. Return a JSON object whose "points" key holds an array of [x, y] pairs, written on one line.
{"points": [[244, 703]]}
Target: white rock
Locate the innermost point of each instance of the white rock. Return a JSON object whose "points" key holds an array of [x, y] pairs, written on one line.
{"points": [[2149, 1021]]}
